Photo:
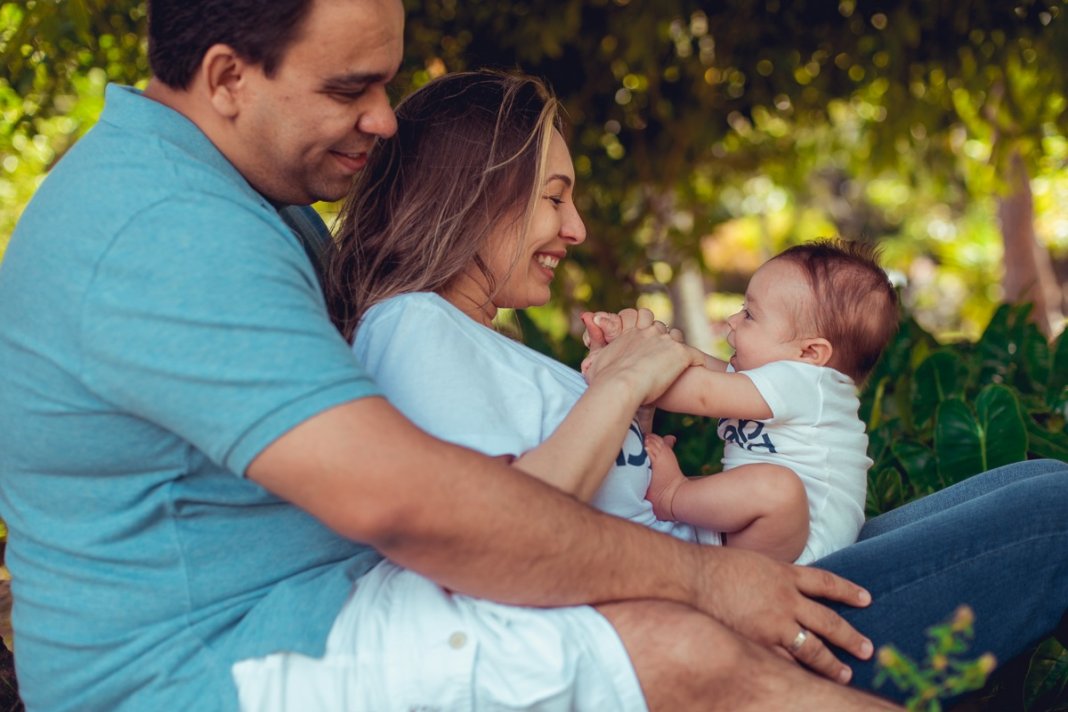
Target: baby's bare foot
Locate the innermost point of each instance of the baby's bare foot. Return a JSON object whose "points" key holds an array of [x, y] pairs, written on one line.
{"points": [[667, 476]]}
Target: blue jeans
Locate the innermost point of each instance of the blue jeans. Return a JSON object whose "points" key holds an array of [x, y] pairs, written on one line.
{"points": [[997, 542]]}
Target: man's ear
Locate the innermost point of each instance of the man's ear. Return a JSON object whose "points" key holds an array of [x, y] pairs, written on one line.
{"points": [[224, 74], [817, 351]]}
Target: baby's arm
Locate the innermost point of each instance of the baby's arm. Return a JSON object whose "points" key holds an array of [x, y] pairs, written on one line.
{"points": [[706, 390]]}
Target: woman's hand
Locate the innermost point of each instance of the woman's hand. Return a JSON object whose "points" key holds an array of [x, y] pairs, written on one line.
{"points": [[643, 353]]}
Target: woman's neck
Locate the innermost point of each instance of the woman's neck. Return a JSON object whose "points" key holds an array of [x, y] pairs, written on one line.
{"points": [[470, 297]]}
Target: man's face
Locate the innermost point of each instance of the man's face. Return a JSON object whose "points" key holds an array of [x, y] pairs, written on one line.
{"points": [[305, 132]]}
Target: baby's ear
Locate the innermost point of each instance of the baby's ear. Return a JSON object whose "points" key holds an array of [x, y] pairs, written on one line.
{"points": [[817, 351]]}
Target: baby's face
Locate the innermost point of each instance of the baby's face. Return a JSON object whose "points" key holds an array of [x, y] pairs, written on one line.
{"points": [[766, 327]]}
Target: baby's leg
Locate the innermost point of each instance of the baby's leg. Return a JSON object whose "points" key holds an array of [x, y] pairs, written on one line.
{"points": [[773, 498], [667, 477], [758, 506]]}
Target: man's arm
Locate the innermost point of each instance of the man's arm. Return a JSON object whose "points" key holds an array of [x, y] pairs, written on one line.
{"points": [[480, 527]]}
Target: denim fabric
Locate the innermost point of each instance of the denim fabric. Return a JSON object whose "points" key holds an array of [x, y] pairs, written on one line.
{"points": [[997, 542]]}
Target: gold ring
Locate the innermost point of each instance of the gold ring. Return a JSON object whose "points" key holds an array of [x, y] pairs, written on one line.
{"points": [[802, 636]]}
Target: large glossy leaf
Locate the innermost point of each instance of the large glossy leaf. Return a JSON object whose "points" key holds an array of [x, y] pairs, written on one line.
{"points": [[1046, 685], [1002, 423], [1043, 442], [937, 378], [958, 441], [968, 442], [1057, 386], [885, 492], [1000, 344], [1035, 356], [920, 465]]}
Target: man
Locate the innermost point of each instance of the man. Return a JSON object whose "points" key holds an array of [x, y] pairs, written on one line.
{"points": [[197, 474]]}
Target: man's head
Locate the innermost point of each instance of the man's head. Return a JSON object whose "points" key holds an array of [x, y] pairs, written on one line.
{"points": [[181, 31], [293, 92]]}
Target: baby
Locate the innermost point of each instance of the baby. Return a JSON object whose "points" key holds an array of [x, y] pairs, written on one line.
{"points": [[815, 320]]}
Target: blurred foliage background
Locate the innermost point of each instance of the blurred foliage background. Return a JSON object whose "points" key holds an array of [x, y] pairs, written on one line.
{"points": [[709, 136]]}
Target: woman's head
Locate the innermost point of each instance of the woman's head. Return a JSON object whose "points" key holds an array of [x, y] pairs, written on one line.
{"points": [[444, 204]]}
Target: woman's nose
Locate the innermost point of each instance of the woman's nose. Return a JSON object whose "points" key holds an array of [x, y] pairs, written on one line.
{"points": [[572, 228]]}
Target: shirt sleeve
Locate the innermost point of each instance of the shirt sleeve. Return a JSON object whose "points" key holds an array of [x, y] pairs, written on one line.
{"points": [[791, 389], [214, 330], [450, 376]]}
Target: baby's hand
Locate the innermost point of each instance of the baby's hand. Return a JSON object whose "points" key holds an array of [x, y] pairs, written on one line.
{"points": [[602, 328]]}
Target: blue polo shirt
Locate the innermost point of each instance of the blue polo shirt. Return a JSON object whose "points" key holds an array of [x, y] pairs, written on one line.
{"points": [[160, 325]]}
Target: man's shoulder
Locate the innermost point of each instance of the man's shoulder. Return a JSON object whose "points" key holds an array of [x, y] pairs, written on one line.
{"points": [[140, 154]]}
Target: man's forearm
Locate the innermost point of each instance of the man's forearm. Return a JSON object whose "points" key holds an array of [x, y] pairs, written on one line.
{"points": [[496, 533], [469, 522]]}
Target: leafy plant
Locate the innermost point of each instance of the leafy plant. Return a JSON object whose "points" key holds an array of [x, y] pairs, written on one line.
{"points": [[937, 414], [944, 673]]}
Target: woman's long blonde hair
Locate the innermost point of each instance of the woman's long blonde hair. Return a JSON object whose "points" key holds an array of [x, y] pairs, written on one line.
{"points": [[468, 157]]}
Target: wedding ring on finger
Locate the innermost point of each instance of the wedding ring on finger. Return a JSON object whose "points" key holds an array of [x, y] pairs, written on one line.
{"points": [[802, 636]]}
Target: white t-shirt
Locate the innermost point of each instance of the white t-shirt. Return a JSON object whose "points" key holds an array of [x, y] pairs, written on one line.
{"points": [[816, 432], [465, 383]]}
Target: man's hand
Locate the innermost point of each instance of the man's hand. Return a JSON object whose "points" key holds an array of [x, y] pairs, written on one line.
{"points": [[771, 603]]}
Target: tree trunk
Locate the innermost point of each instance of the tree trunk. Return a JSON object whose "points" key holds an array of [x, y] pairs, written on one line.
{"points": [[688, 300], [1029, 275]]}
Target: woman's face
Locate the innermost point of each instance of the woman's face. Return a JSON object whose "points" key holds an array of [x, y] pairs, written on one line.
{"points": [[523, 278]]}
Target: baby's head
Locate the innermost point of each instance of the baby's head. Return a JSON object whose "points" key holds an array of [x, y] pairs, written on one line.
{"points": [[825, 302]]}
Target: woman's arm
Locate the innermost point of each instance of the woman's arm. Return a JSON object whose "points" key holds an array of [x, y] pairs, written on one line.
{"points": [[454, 379], [706, 389], [579, 453]]}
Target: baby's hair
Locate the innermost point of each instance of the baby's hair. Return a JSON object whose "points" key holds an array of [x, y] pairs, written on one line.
{"points": [[855, 305]]}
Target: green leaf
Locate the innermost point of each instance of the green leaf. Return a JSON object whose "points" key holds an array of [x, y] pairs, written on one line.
{"points": [[885, 492], [1035, 354], [967, 443], [937, 378], [1057, 386], [79, 16], [920, 465], [1047, 677], [1042, 442], [958, 441], [1000, 343], [1003, 427]]}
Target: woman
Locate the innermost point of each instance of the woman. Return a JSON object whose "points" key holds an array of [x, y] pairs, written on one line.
{"points": [[469, 210]]}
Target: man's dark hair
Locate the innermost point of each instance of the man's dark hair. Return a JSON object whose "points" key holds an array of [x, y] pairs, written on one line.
{"points": [[181, 31]]}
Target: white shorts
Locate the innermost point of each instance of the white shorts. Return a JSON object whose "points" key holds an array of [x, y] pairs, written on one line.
{"points": [[403, 643]]}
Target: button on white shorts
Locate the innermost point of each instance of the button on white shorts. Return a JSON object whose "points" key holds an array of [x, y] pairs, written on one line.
{"points": [[403, 643]]}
